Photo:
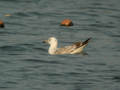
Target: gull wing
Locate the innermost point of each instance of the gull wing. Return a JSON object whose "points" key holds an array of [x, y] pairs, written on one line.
{"points": [[65, 50], [74, 48], [68, 49], [80, 44]]}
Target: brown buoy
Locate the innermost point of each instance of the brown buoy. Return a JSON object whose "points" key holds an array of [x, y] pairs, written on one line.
{"points": [[1, 24], [66, 22]]}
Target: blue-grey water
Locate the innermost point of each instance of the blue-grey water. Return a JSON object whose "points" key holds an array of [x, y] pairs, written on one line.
{"points": [[25, 63]]}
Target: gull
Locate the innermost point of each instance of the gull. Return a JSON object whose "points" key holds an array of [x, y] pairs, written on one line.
{"points": [[75, 48]]}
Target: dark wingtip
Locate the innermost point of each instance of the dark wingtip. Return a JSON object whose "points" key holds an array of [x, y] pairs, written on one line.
{"points": [[86, 41]]}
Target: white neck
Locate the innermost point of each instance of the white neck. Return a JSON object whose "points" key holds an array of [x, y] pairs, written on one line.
{"points": [[52, 48]]}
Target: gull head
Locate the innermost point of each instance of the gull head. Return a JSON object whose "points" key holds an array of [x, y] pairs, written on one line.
{"points": [[51, 41], [53, 44]]}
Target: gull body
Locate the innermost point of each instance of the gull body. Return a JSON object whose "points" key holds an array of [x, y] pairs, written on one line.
{"points": [[72, 49]]}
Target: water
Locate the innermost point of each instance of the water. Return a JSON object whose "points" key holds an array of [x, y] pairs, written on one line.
{"points": [[25, 63]]}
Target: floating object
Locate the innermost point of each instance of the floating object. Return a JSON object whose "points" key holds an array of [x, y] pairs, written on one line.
{"points": [[66, 22], [1, 24], [7, 15], [72, 49]]}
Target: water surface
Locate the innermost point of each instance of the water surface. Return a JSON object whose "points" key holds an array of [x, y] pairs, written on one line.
{"points": [[25, 63]]}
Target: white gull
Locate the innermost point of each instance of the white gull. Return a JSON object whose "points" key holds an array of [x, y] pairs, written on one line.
{"points": [[75, 48]]}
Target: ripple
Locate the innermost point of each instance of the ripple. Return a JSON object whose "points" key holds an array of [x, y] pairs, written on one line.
{"points": [[5, 61], [34, 60], [12, 48], [35, 13], [11, 82], [4, 87], [76, 74], [115, 16], [22, 14], [116, 78], [52, 74], [42, 49], [102, 26], [42, 61], [93, 63], [115, 35]]}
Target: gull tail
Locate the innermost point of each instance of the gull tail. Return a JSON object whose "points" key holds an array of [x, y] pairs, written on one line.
{"points": [[86, 41], [80, 47]]}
